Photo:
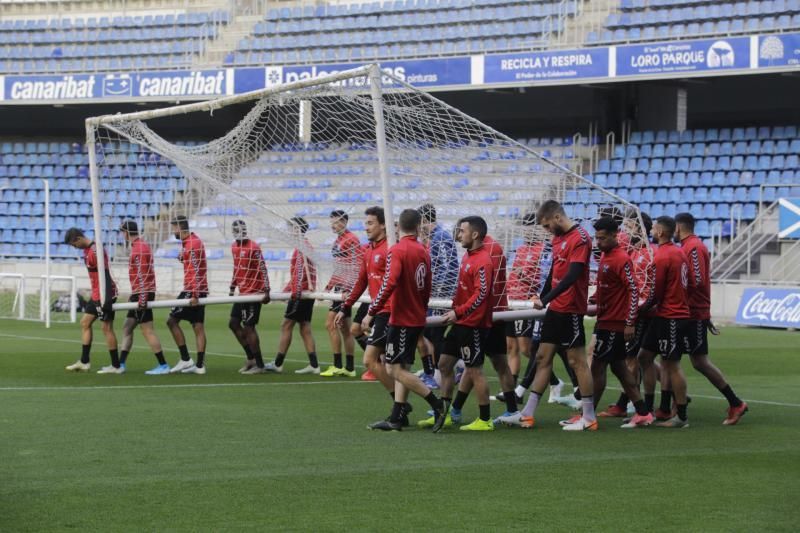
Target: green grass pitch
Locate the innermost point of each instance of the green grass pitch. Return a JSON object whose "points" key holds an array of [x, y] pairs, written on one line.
{"points": [[225, 452]]}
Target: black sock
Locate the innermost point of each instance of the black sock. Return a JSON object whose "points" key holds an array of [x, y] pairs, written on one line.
{"points": [[391, 393], [337, 360], [248, 352], [160, 357], [362, 341], [733, 400], [649, 400], [279, 359], [85, 349], [434, 402], [641, 410], [114, 358], [397, 412], [666, 401], [484, 411], [460, 400], [184, 353], [259, 359], [622, 403], [511, 401], [201, 357], [682, 411], [554, 379], [577, 394], [123, 357], [312, 359], [351, 364], [427, 365]]}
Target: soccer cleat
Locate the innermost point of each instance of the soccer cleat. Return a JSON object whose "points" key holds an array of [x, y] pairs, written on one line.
{"points": [[582, 425], [368, 376], [275, 369], [429, 381], [555, 392], [347, 373], [501, 397], [77, 366], [181, 366], [308, 369], [111, 370], [674, 422], [123, 367], [440, 417], [478, 425], [455, 414], [517, 419], [663, 415], [569, 421], [735, 414], [430, 421], [613, 411], [639, 421], [194, 369], [386, 425], [254, 370], [570, 401], [330, 372], [245, 368], [497, 421], [158, 371]]}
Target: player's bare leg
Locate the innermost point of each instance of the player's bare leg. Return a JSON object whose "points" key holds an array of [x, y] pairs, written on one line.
{"points": [[335, 339], [200, 340], [447, 364], [235, 325], [736, 407], [578, 362], [150, 336], [541, 379], [372, 361], [86, 329], [513, 351], [127, 336]]}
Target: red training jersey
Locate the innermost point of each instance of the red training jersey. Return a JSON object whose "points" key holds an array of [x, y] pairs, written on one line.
{"points": [[498, 257], [249, 269], [617, 295], [672, 282], [195, 271], [407, 283], [90, 259], [699, 277], [525, 278], [303, 275], [370, 275], [140, 270], [473, 302], [346, 252], [574, 246]]}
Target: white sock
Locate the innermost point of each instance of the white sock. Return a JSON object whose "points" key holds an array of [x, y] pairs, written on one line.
{"points": [[530, 407], [588, 409], [519, 391]]}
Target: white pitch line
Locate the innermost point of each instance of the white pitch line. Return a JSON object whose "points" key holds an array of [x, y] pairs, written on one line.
{"points": [[178, 386]]}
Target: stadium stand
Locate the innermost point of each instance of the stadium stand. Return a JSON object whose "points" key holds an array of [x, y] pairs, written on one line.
{"points": [[399, 29], [106, 43], [646, 20]]}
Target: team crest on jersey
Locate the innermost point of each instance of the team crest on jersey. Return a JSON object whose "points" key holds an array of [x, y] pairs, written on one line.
{"points": [[563, 245], [466, 267], [242, 253], [377, 258], [605, 268], [419, 276]]}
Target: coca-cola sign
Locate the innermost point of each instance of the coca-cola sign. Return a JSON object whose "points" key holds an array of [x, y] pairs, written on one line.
{"points": [[777, 308]]}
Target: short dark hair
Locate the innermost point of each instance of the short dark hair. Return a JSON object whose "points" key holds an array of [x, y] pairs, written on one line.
{"points": [[686, 219], [72, 234], [130, 227], [410, 220], [528, 219], [300, 222], [476, 223], [648, 223], [338, 213], [181, 221], [428, 212], [606, 224], [377, 212], [548, 209], [668, 223]]}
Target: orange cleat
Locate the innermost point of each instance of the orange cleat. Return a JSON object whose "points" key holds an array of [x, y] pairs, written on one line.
{"points": [[569, 421], [613, 411], [368, 376], [735, 414]]}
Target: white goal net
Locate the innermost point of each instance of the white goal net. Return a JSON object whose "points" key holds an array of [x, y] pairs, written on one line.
{"points": [[294, 161]]}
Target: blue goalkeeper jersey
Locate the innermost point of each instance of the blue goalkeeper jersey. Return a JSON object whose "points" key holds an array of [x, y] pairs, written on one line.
{"points": [[444, 263]]}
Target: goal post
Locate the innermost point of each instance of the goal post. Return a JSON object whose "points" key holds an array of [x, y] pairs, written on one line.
{"points": [[300, 162]]}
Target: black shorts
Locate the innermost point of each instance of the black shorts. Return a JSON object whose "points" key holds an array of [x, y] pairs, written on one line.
{"points": [[247, 313], [361, 314], [632, 348], [467, 343], [563, 329], [496, 343], [336, 306], [609, 345], [666, 337], [193, 315], [696, 337], [299, 310], [142, 316], [401, 344], [94, 308], [380, 325], [520, 328]]}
